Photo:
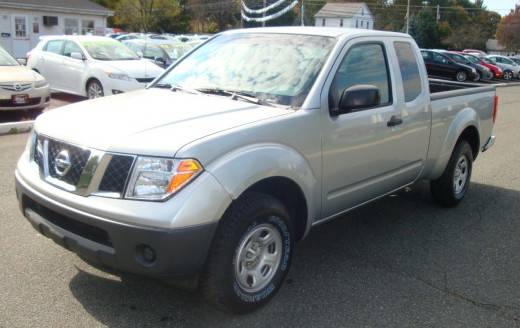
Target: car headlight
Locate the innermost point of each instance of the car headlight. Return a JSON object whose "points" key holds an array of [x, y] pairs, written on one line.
{"points": [[41, 83], [156, 178], [119, 76]]}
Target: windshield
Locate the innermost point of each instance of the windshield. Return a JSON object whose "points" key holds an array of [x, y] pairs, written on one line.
{"points": [[472, 59], [108, 50], [459, 58], [176, 51], [279, 68], [507, 61], [6, 59]]}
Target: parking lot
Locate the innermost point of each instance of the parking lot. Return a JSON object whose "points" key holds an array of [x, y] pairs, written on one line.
{"points": [[399, 262]]}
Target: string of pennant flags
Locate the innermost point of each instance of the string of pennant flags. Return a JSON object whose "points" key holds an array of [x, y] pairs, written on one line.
{"points": [[247, 13]]}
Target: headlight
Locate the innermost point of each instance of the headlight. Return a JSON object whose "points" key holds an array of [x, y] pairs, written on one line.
{"points": [[119, 76], [41, 83], [156, 178]]}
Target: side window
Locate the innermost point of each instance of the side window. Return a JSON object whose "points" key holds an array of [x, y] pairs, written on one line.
{"points": [[439, 58], [363, 64], [409, 70], [54, 46], [71, 47], [426, 55], [152, 52]]}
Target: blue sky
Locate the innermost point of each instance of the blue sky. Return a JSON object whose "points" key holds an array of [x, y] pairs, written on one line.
{"points": [[501, 6]]}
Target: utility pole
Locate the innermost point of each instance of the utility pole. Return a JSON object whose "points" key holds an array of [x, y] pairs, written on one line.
{"points": [[263, 14], [438, 14], [302, 12], [408, 17]]}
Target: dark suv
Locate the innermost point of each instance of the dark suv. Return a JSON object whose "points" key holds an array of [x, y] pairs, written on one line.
{"points": [[440, 65]]}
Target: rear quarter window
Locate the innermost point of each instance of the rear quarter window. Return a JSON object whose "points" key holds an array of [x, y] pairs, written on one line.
{"points": [[409, 70]]}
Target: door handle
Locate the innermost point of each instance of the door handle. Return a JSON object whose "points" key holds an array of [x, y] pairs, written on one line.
{"points": [[394, 120]]}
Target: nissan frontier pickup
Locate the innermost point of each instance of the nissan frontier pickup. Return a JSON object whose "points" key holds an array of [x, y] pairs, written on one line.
{"points": [[240, 148]]}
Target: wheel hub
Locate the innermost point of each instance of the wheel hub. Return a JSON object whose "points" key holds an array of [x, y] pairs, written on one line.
{"points": [[258, 257], [461, 174]]}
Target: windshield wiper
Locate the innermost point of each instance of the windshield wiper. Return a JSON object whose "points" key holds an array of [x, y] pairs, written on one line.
{"points": [[239, 95], [175, 87]]}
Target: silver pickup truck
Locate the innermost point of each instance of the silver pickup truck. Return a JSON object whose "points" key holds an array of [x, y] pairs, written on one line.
{"points": [[241, 147]]}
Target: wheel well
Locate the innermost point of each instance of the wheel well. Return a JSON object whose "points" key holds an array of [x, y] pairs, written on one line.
{"points": [[470, 134], [37, 71], [290, 194], [90, 80]]}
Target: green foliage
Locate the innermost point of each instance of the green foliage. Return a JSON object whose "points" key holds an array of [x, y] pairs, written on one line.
{"points": [[508, 31]]}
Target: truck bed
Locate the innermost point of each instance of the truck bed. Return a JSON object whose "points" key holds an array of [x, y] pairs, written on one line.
{"points": [[442, 88]]}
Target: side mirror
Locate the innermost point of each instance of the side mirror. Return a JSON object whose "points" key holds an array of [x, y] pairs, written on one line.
{"points": [[357, 97], [140, 54], [159, 61], [22, 61], [77, 55]]}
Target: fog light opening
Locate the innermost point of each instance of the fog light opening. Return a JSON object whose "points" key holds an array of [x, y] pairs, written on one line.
{"points": [[116, 92], [146, 254]]}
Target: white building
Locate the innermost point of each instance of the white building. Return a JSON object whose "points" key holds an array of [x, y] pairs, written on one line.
{"points": [[22, 22], [351, 14]]}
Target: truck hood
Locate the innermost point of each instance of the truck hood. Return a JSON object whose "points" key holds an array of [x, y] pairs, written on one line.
{"points": [[141, 68], [154, 122]]}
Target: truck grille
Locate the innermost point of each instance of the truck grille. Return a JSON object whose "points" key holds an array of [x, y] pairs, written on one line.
{"points": [[116, 174], [113, 178], [78, 160]]}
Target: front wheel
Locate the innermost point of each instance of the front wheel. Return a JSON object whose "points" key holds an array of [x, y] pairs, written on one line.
{"points": [[478, 77], [250, 255], [94, 89], [461, 76], [451, 187]]}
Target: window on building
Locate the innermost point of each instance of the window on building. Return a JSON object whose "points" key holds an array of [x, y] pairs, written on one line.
{"points": [[356, 23], [36, 27], [71, 26], [363, 64], [323, 22], [87, 27], [341, 22], [20, 27], [409, 70]]}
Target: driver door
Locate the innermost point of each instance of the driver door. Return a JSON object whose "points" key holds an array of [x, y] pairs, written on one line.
{"points": [[363, 153]]}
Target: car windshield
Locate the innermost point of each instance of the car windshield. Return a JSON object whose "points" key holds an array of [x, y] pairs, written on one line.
{"points": [[177, 50], [6, 59], [472, 59], [507, 61], [108, 50], [278, 68]]}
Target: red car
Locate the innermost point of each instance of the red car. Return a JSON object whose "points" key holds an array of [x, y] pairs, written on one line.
{"points": [[497, 71]]}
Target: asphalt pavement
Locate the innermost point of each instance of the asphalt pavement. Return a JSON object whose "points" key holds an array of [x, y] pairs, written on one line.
{"points": [[399, 262]]}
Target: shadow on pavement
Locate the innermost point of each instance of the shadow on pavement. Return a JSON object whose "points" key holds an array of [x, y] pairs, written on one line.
{"points": [[400, 259]]}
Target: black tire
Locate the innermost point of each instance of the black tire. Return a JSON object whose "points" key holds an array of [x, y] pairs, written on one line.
{"points": [[219, 282], [461, 76], [508, 75], [94, 89], [444, 190]]}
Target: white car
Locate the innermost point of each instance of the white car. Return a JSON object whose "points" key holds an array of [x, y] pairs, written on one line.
{"points": [[21, 88], [90, 66]]}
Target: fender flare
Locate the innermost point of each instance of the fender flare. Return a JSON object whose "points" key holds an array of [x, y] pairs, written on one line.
{"points": [[467, 117], [243, 167]]}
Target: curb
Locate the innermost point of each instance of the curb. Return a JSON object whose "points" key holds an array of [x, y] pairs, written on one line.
{"points": [[506, 85], [15, 127]]}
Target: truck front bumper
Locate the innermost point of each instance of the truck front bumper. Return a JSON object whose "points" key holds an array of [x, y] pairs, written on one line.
{"points": [[154, 252], [490, 142]]}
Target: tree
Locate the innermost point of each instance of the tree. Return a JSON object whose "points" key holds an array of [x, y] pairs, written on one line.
{"points": [[425, 32], [508, 31], [146, 15]]}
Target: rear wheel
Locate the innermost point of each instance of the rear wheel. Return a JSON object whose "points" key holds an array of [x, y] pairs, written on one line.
{"points": [[508, 75], [250, 255], [94, 89], [461, 76], [451, 187]]}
